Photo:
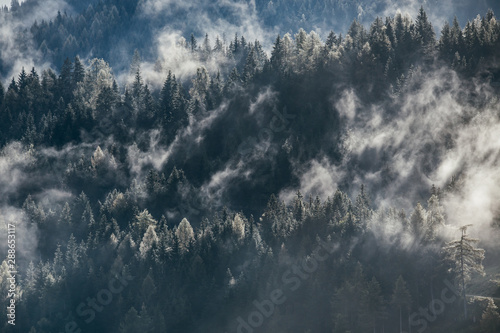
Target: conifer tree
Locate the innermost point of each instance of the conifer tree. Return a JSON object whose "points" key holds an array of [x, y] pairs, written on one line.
{"points": [[423, 28], [185, 234], [401, 298], [465, 259]]}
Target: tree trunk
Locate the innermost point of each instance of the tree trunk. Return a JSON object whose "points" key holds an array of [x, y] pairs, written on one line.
{"points": [[463, 275], [400, 321], [432, 290]]}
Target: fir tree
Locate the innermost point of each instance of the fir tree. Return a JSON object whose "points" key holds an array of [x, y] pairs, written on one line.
{"points": [[465, 260], [401, 298]]}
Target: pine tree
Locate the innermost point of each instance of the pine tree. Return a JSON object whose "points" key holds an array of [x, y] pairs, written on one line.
{"points": [[201, 84], [149, 240], [238, 227], [250, 66], [457, 38], [207, 49], [214, 96], [148, 287], [131, 323], [65, 81], [425, 32], [235, 46], [167, 98], [31, 277], [331, 41], [193, 44], [105, 102], [434, 219], [379, 41], [417, 221], [141, 223], [401, 298], [465, 260], [147, 112], [138, 84], [78, 72], [30, 136], [65, 219], [390, 31], [349, 299], [218, 47], [300, 41], [278, 55], [185, 234], [146, 321], [22, 80], [299, 211], [490, 320], [362, 206], [72, 253], [358, 36], [374, 306], [404, 41], [233, 82], [14, 5], [2, 95], [446, 43], [260, 55], [58, 262]]}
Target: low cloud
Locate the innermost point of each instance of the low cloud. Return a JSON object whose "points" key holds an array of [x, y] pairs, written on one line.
{"points": [[432, 131], [16, 44], [158, 155], [317, 178]]}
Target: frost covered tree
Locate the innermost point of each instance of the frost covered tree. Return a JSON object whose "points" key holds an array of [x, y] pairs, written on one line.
{"points": [[238, 227], [490, 320], [98, 76], [149, 240], [142, 222], [465, 260], [185, 235], [435, 218]]}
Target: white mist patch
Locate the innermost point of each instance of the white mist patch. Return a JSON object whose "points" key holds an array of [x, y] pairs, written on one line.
{"points": [[477, 154], [26, 235], [438, 128], [264, 97], [9, 2], [319, 178], [407, 146], [175, 56], [158, 155], [16, 55], [347, 104], [220, 181], [172, 48], [53, 196], [13, 158]]}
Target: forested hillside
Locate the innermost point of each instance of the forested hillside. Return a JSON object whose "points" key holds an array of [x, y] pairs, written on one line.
{"points": [[161, 181]]}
